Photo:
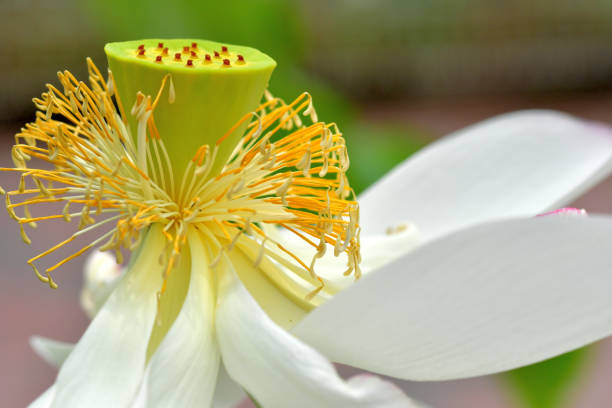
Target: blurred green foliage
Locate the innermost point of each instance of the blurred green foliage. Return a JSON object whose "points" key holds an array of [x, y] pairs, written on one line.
{"points": [[545, 385], [376, 149]]}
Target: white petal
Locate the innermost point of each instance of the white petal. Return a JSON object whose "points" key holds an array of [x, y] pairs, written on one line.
{"points": [[276, 368], [518, 164], [183, 370], [44, 400], [483, 300], [227, 392], [100, 276], [52, 351], [106, 365], [140, 400]]}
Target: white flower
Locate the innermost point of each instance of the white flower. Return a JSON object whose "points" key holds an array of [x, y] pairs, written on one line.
{"points": [[483, 286]]}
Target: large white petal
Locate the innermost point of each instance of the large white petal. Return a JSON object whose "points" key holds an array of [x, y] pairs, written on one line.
{"points": [[106, 365], [52, 351], [183, 369], [227, 392], [482, 300], [278, 369], [44, 400], [518, 164]]}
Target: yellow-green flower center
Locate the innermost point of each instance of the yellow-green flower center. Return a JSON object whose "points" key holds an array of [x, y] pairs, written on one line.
{"points": [[204, 99]]}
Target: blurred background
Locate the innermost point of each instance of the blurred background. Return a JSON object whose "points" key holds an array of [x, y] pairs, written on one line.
{"points": [[395, 75]]}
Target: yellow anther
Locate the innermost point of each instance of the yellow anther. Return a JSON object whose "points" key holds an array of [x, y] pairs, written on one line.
{"points": [[65, 212], [49, 111], [312, 294], [171, 92], [42, 188], [26, 212], [73, 104], [304, 163], [110, 84], [24, 236], [45, 279], [260, 254], [282, 190], [18, 158], [21, 187], [310, 110]]}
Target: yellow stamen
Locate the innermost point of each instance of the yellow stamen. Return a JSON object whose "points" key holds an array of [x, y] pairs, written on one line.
{"points": [[283, 172]]}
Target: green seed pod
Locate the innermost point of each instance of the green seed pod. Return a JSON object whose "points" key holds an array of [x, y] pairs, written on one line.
{"points": [[211, 87]]}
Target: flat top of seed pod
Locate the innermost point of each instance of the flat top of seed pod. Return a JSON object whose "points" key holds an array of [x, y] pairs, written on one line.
{"points": [[189, 55]]}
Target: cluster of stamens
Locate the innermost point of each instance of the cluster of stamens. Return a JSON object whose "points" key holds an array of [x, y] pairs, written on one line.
{"points": [[283, 172], [190, 55]]}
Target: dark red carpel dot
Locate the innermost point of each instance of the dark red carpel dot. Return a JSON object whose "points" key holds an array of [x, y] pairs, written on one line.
{"points": [[190, 63], [226, 62], [160, 45], [217, 54], [158, 58], [141, 52], [194, 45], [224, 49], [194, 54], [165, 51], [177, 56], [207, 58], [240, 58], [141, 47], [186, 50]]}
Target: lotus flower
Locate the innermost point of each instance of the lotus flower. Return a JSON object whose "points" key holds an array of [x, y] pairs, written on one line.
{"points": [[247, 265]]}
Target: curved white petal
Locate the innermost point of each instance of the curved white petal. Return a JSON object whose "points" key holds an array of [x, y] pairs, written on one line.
{"points": [[183, 369], [228, 393], [276, 368], [518, 164], [52, 351], [482, 300], [106, 365], [140, 400], [44, 400]]}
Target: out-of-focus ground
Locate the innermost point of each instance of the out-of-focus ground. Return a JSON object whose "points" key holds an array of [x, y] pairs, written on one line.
{"points": [[29, 307]]}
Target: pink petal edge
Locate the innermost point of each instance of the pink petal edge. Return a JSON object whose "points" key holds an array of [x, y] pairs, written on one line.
{"points": [[565, 211]]}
